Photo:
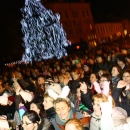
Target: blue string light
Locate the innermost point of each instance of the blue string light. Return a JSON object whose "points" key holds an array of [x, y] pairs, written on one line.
{"points": [[44, 36]]}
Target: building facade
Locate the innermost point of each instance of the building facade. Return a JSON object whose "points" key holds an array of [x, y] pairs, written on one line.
{"points": [[126, 27], [111, 31], [76, 19]]}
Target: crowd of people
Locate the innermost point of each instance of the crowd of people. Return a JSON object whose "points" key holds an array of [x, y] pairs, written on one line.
{"points": [[86, 90]]}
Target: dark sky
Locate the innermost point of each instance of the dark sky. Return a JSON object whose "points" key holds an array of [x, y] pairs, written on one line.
{"points": [[10, 27], [110, 9]]}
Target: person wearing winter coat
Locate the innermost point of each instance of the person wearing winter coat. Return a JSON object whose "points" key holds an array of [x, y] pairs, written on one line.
{"points": [[105, 115], [30, 120], [116, 76], [64, 113], [121, 94]]}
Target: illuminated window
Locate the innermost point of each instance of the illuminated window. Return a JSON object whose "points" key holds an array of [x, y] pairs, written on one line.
{"points": [[125, 32]]}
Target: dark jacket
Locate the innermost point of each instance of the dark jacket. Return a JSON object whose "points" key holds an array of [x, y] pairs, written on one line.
{"points": [[87, 100], [45, 125], [50, 113], [73, 86], [124, 101], [115, 80]]}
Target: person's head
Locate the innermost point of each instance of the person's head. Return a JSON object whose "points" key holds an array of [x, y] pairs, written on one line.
{"points": [[97, 99], [37, 106], [30, 120], [41, 80], [76, 74], [120, 60], [55, 78], [73, 124], [99, 59], [48, 101], [93, 77], [126, 76], [62, 107], [78, 63], [61, 78], [91, 61], [116, 70], [65, 78], [103, 78], [86, 68]]}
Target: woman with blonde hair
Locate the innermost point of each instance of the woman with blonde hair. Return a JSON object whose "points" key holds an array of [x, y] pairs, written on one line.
{"points": [[105, 115], [74, 124]]}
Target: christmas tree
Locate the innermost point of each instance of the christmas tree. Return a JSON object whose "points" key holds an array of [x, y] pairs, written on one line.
{"points": [[44, 36]]}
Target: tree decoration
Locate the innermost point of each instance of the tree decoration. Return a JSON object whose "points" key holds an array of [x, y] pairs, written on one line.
{"points": [[44, 36]]}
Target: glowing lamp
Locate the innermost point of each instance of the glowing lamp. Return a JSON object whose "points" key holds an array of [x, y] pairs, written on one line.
{"points": [[77, 47]]}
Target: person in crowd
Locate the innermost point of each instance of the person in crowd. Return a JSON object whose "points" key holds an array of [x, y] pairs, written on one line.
{"points": [[55, 78], [86, 73], [105, 115], [39, 109], [92, 64], [61, 80], [93, 81], [3, 89], [7, 103], [121, 94], [116, 73], [48, 106], [48, 100], [37, 106], [74, 124], [41, 84], [100, 64], [78, 99], [105, 84], [121, 62], [75, 82], [30, 120], [64, 113]]}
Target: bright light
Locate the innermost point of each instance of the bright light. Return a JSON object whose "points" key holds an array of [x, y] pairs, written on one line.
{"points": [[77, 47], [125, 32]]}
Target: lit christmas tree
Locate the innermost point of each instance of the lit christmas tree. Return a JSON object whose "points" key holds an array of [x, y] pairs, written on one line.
{"points": [[44, 36]]}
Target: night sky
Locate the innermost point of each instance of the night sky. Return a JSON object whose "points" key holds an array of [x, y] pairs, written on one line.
{"points": [[10, 27]]}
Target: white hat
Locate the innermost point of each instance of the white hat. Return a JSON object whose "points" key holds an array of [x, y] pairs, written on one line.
{"points": [[55, 87], [64, 93]]}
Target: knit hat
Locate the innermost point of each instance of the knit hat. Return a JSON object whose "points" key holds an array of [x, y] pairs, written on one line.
{"points": [[11, 98], [121, 58], [4, 99], [3, 122], [56, 88]]}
